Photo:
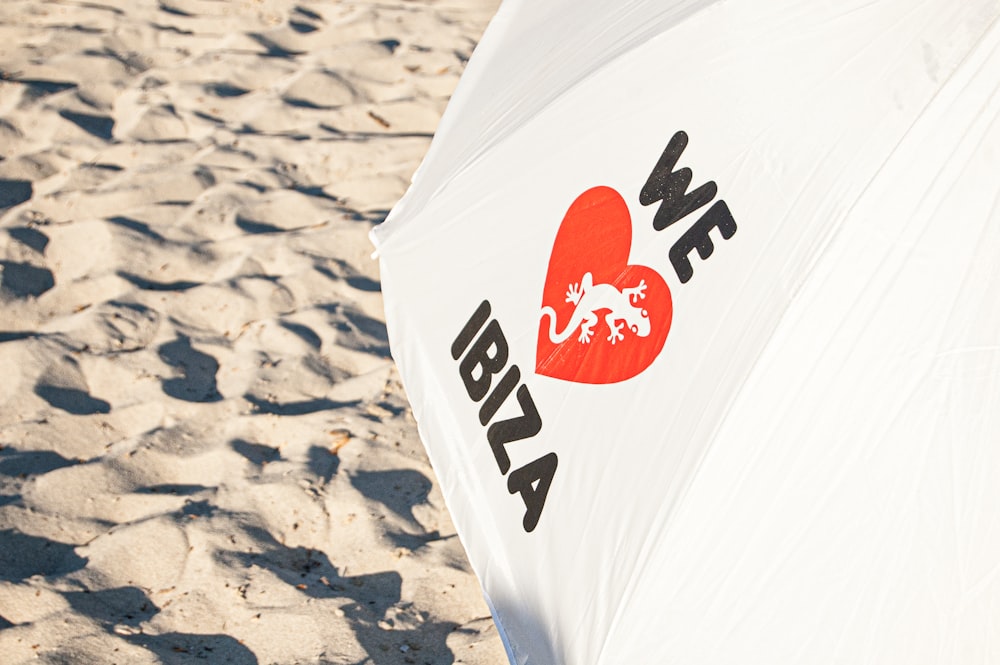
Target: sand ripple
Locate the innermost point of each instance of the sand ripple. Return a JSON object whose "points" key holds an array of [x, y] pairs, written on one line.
{"points": [[205, 451]]}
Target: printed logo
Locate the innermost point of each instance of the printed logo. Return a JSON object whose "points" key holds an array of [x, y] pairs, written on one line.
{"points": [[603, 320]]}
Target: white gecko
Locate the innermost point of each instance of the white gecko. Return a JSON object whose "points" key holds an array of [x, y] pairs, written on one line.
{"points": [[591, 298]]}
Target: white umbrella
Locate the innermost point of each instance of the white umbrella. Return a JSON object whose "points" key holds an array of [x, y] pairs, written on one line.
{"points": [[698, 307]]}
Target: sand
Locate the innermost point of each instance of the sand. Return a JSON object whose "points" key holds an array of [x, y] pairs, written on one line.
{"points": [[206, 454]]}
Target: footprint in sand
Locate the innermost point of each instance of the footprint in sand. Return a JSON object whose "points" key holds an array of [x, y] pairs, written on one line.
{"points": [[64, 387], [197, 383], [24, 280], [116, 327], [14, 192]]}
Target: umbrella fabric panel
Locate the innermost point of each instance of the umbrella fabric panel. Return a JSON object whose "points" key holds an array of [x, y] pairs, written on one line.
{"points": [[773, 482]]}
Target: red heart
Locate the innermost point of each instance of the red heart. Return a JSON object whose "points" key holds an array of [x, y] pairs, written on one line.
{"points": [[595, 237]]}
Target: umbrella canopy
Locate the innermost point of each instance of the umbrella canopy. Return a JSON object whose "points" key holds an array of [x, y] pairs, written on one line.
{"points": [[697, 304]]}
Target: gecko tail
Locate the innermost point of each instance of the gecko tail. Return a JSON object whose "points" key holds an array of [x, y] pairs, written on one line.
{"points": [[554, 336]]}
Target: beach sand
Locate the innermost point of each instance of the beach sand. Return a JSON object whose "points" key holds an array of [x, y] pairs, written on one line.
{"points": [[206, 454]]}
